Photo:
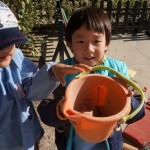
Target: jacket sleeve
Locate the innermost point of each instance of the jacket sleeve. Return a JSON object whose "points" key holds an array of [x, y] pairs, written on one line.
{"points": [[49, 111], [41, 84], [37, 83], [134, 105]]}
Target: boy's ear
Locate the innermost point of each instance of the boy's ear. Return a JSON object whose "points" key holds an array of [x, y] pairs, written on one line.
{"points": [[70, 46], [106, 48]]}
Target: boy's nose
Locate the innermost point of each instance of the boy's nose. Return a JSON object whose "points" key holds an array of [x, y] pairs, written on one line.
{"points": [[89, 47]]}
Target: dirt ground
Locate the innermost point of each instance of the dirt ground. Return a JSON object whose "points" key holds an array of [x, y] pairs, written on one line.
{"points": [[48, 140]]}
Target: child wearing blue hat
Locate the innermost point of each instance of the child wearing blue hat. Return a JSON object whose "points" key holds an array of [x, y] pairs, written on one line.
{"points": [[21, 82]]}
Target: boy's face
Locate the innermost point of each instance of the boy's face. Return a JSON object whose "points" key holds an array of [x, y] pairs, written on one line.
{"points": [[88, 46], [6, 55]]}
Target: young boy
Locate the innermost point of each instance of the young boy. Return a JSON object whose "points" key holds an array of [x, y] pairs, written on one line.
{"points": [[88, 35], [21, 82]]}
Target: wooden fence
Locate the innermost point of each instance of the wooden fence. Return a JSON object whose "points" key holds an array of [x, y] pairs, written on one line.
{"points": [[125, 17]]}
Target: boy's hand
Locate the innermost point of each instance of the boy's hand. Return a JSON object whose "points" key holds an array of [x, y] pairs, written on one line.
{"points": [[61, 70]]}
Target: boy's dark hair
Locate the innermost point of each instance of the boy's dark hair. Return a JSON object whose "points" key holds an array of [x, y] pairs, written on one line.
{"points": [[93, 18]]}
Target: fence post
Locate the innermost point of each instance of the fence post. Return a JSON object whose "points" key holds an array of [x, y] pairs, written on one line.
{"points": [[126, 15], [148, 26], [135, 9], [117, 16], [101, 4], [142, 15], [42, 59], [109, 8]]}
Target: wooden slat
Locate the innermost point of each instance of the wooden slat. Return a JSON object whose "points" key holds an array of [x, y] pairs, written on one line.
{"points": [[109, 8], [117, 16], [101, 4], [148, 25], [142, 15], [135, 9], [126, 15]]}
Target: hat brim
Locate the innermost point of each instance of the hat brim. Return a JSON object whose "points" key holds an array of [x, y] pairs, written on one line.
{"points": [[10, 36]]}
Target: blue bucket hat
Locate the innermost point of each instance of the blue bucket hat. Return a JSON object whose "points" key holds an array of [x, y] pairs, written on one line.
{"points": [[9, 31]]}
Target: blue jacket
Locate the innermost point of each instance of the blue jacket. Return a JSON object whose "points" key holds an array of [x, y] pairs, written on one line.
{"points": [[20, 84], [109, 62], [115, 141], [49, 114]]}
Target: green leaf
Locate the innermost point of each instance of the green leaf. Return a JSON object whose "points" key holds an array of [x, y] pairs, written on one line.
{"points": [[23, 4]]}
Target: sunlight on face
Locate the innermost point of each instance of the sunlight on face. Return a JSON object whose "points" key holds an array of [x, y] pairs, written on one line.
{"points": [[88, 46], [6, 55]]}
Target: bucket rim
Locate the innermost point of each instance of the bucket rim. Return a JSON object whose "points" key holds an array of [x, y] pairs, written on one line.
{"points": [[123, 112]]}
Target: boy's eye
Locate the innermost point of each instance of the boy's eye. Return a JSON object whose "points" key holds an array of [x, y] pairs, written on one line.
{"points": [[80, 42], [97, 41]]}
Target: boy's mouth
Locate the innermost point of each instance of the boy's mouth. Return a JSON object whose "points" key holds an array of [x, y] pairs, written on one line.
{"points": [[89, 58]]}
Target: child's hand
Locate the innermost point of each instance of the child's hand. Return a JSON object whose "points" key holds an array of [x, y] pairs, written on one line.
{"points": [[61, 70]]}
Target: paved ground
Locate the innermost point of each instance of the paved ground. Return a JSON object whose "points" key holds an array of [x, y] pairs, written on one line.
{"points": [[135, 52]]}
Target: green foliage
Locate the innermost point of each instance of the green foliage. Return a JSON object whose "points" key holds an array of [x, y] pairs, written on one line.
{"points": [[123, 2], [45, 10], [39, 13], [24, 11], [73, 5]]}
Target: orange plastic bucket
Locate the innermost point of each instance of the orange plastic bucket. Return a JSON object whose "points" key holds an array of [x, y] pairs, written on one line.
{"points": [[94, 104]]}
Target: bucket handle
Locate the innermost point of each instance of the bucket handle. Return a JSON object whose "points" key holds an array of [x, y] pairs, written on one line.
{"points": [[124, 78]]}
